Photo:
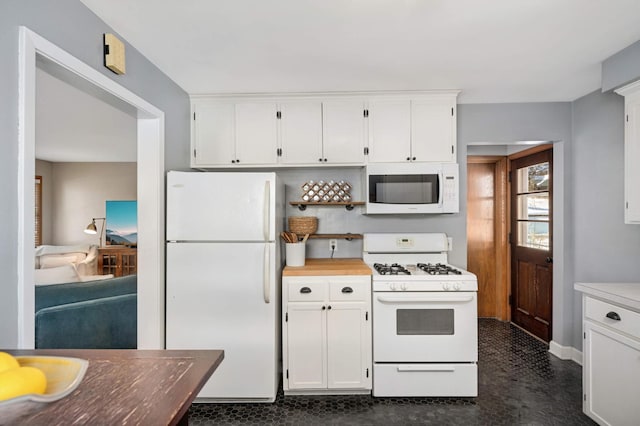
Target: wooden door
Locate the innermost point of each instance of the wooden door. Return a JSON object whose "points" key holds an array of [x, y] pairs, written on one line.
{"points": [[531, 242], [481, 243], [487, 233]]}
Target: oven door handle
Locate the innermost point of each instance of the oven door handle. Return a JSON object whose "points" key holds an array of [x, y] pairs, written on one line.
{"points": [[427, 299], [405, 368]]}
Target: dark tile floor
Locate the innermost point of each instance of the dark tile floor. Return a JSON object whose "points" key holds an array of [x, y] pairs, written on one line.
{"points": [[520, 383]]}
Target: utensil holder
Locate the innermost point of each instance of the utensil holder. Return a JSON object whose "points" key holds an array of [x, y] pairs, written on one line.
{"points": [[295, 254]]}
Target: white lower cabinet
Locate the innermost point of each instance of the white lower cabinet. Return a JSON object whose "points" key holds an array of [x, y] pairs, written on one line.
{"points": [[611, 370], [327, 334]]}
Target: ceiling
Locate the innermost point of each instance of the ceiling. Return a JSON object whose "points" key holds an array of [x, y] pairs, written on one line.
{"points": [[492, 50]]}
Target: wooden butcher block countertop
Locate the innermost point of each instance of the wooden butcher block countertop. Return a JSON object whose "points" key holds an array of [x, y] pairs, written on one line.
{"points": [[322, 267]]}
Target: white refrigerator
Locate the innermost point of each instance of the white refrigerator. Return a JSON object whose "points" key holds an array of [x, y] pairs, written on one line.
{"points": [[223, 277]]}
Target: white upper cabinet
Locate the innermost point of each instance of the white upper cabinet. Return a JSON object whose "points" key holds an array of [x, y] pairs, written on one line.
{"points": [[213, 139], [433, 129], [323, 129], [300, 132], [389, 131], [343, 128], [631, 95], [256, 133]]}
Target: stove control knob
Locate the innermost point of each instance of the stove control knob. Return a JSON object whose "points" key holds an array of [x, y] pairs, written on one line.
{"points": [[403, 287], [446, 286], [392, 286], [456, 286]]}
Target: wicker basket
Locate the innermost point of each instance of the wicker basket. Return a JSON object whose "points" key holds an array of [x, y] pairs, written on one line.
{"points": [[302, 225]]}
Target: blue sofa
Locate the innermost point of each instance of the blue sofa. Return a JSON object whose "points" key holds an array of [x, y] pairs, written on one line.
{"points": [[87, 315]]}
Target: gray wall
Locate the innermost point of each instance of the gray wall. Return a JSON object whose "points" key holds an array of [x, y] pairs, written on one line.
{"points": [[71, 26], [621, 68], [606, 250], [339, 220]]}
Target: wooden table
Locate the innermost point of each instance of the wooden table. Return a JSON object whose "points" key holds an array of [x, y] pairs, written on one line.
{"points": [[122, 386]]}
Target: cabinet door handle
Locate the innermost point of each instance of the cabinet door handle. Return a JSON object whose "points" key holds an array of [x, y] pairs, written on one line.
{"points": [[329, 307], [614, 316], [324, 307], [347, 290], [305, 290]]}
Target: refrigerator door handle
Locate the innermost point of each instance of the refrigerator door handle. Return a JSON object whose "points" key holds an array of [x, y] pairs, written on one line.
{"points": [[266, 279], [267, 209]]}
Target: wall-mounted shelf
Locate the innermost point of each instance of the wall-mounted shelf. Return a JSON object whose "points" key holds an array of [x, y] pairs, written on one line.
{"points": [[347, 236], [349, 205]]}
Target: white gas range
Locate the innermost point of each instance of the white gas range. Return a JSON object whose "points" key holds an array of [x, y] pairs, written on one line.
{"points": [[425, 329]]}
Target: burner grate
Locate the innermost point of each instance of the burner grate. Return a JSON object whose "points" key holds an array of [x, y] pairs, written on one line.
{"points": [[393, 269], [438, 269]]}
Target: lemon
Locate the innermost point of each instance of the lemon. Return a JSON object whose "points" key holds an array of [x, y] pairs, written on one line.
{"points": [[7, 362], [21, 381]]}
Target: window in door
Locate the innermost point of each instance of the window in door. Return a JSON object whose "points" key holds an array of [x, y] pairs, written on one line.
{"points": [[533, 206], [38, 212]]}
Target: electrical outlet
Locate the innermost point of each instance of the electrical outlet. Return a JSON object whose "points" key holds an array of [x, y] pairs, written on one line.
{"points": [[333, 245]]}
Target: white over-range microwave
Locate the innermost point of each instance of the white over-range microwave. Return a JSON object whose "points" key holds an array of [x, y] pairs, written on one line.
{"points": [[406, 188]]}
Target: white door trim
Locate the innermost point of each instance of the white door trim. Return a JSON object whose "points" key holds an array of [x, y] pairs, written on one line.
{"points": [[150, 191]]}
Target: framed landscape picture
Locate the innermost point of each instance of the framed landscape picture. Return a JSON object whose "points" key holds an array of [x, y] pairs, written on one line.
{"points": [[122, 223]]}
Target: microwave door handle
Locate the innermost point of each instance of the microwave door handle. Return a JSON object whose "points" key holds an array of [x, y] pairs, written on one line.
{"points": [[441, 189]]}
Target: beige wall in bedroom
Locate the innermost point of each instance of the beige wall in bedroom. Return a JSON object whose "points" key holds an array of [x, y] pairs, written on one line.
{"points": [[77, 192], [45, 169]]}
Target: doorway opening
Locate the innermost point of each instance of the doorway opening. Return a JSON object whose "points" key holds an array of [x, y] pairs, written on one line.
{"points": [[492, 227], [150, 190]]}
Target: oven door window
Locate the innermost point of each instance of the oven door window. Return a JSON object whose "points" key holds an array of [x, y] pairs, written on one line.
{"points": [[429, 322], [404, 189]]}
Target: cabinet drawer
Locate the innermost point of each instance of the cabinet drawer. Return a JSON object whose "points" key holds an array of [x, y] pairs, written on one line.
{"points": [[425, 380], [359, 291], [606, 314], [310, 291]]}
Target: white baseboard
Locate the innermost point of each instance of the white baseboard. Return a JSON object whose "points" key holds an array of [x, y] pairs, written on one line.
{"points": [[565, 352]]}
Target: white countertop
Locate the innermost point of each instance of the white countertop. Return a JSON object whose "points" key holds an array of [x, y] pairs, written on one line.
{"points": [[623, 294]]}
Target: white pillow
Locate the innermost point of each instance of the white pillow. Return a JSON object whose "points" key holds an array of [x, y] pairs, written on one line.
{"points": [[61, 274], [86, 278], [55, 260]]}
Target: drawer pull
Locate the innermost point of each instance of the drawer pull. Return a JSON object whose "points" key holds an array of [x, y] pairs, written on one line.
{"points": [[305, 290], [614, 316], [347, 290]]}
